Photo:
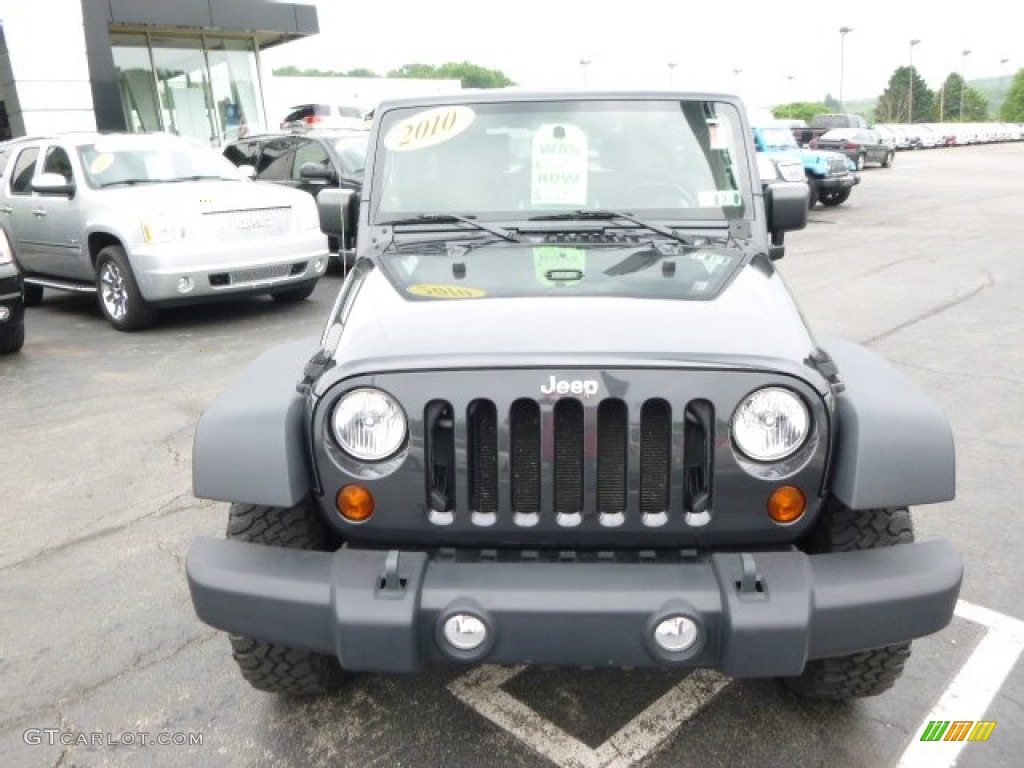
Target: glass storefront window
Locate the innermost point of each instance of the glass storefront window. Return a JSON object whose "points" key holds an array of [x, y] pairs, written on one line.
{"points": [[235, 85], [203, 86], [135, 80], [184, 92]]}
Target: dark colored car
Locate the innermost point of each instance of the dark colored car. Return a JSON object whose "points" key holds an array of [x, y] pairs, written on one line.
{"points": [[565, 411], [12, 303], [861, 145], [311, 162]]}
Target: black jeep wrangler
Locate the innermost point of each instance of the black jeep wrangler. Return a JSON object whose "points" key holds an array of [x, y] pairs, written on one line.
{"points": [[565, 412]]}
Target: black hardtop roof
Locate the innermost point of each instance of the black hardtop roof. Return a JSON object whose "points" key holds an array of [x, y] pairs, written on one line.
{"points": [[509, 95]]}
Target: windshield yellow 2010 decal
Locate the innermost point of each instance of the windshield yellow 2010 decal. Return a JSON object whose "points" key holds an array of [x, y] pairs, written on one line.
{"points": [[101, 162], [427, 128], [446, 291]]}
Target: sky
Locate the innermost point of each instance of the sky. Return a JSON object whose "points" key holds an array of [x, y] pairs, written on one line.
{"points": [[770, 52]]}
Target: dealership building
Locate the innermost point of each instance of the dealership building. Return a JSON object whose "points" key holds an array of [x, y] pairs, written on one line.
{"points": [[190, 67]]}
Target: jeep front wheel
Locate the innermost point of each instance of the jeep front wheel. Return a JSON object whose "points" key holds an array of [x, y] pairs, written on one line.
{"points": [[867, 673], [120, 298], [266, 666]]}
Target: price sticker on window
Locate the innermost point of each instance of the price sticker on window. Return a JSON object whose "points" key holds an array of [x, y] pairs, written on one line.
{"points": [[428, 128]]}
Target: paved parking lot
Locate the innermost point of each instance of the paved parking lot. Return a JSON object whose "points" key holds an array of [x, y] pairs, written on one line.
{"points": [[98, 639]]}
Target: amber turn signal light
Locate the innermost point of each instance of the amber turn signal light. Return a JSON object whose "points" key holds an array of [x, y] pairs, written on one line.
{"points": [[786, 504], [355, 503]]}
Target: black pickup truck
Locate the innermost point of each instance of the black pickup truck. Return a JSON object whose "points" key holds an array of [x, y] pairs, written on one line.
{"points": [[821, 123]]}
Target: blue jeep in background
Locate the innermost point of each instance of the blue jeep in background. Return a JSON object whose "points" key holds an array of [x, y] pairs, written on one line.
{"points": [[829, 174]]}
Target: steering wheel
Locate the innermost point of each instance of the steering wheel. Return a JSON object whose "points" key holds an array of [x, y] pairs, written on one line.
{"points": [[683, 197]]}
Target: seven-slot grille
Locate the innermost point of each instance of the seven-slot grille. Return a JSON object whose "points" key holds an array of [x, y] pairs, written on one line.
{"points": [[570, 460]]}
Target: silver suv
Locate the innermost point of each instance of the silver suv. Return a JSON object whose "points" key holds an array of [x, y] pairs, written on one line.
{"points": [[152, 220]]}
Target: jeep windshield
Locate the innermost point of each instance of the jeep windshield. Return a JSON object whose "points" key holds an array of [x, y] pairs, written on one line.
{"points": [[778, 138], [657, 159]]}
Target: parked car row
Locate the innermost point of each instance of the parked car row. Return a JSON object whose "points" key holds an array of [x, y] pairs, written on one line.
{"points": [[931, 135], [146, 221]]}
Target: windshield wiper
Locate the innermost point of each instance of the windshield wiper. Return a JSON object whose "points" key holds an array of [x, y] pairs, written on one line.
{"points": [[127, 182], [447, 218], [200, 177], [600, 215]]}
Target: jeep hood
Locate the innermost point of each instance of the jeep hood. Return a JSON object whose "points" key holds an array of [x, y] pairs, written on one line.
{"points": [[753, 321]]}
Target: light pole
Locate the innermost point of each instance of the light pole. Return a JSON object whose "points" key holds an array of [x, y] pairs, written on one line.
{"points": [[1002, 88], [792, 101], [737, 73], [843, 32], [910, 96], [963, 81], [584, 63], [671, 74]]}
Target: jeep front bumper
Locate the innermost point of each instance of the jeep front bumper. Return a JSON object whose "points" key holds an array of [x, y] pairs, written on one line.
{"points": [[758, 614]]}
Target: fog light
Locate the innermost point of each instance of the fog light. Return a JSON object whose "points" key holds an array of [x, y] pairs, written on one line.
{"points": [[786, 504], [185, 284], [465, 632], [355, 503], [676, 634], [320, 265], [5, 312]]}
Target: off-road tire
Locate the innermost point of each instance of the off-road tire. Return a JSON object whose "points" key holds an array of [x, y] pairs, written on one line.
{"points": [[867, 673], [118, 293], [266, 666], [12, 339], [889, 157], [833, 199], [812, 196], [32, 295], [293, 295], [861, 162]]}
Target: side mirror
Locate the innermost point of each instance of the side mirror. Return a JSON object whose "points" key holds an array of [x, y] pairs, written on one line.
{"points": [[332, 203], [53, 184], [316, 172], [785, 205]]}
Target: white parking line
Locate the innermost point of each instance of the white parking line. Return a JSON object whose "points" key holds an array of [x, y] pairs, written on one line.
{"points": [[969, 695], [481, 689]]}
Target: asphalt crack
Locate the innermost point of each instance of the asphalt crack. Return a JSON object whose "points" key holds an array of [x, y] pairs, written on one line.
{"points": [[161, 511], [933, 312]]}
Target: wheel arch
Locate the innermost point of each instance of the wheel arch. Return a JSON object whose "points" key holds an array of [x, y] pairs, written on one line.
{"points": [[98, 241]]}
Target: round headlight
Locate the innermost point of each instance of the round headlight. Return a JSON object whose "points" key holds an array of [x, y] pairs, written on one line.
{"points": [[770, 424], [369, 424]]}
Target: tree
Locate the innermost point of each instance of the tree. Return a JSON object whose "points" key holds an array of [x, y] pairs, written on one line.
{"points": [[470, 75], [800, 110], [1013, 108], [975, 106], [360, 72], [831, 103], [894, 104]]}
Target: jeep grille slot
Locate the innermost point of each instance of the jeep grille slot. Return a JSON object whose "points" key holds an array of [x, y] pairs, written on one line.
{"points": [[655, 456], [482, 434], [524, 429], [568, 471], [439, 423], [612, 450], [697, 454]]}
